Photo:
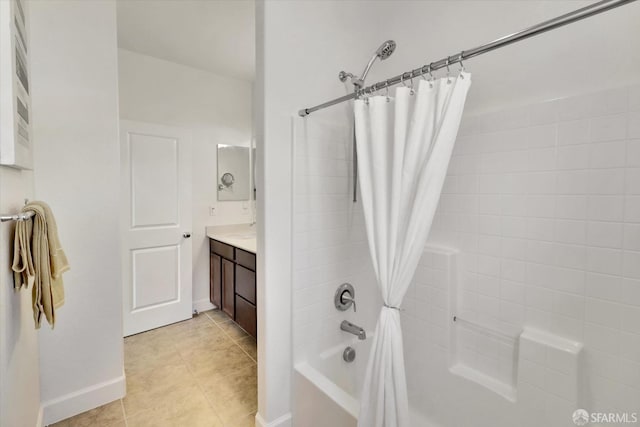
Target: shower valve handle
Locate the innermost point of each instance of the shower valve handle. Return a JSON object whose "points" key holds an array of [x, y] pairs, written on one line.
{"points": [[346, 298]]}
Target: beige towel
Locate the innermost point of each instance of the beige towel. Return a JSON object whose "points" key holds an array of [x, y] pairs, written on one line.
{"points": [[38, 259]]}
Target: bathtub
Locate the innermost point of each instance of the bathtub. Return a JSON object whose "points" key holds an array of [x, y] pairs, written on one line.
{"points": [[327, 389]]}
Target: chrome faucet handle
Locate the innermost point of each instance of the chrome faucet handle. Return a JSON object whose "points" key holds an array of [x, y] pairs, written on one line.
{"points": [[347, 299], [344, 297]]}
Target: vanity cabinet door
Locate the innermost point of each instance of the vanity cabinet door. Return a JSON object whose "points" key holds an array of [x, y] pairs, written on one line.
{"points": [[215, 280], [228, 288]]}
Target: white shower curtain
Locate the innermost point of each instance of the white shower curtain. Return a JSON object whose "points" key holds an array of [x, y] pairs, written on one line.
{"points": [[404, 146]]}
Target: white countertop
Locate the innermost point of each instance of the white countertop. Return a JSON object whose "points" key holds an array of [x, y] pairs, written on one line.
{"points": [[241, 236]]}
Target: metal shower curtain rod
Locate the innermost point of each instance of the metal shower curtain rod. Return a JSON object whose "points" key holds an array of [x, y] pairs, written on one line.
{"points": [[551, 24]]}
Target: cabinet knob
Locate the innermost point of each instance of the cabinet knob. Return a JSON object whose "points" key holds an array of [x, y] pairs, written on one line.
{"points": [[186, 234]]}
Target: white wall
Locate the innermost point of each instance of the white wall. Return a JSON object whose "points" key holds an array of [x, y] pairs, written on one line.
{"points": [[553, 65], [216, 110], [75, 109], [548, 224], [329, 237], [543, 203], [19, 365], [300, 48]]}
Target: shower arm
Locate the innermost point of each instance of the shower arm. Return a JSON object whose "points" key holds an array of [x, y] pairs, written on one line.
{"points": [[551, 24], [358, 82]]}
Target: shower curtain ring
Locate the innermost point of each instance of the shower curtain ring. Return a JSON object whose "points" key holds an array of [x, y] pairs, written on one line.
{"points": [[422, 71], [462, 70], [448, 71], [386, 90], [430, 75], [361, 94], [402, 80]]}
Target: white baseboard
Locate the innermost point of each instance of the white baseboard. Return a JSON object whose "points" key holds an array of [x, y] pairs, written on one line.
{"points": [[40, 420], [283, 421], [83, 400], [203, 305]]}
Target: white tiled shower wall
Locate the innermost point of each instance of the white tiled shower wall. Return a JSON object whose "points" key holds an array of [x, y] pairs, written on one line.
{"points": [[541, 209], [329, 242], [543, 202]]}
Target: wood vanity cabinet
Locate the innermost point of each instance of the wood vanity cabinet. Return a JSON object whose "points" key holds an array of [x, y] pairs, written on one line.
{"points": [[233, 283]]}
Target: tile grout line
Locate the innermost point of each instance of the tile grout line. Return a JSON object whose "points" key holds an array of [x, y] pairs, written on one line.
{"points": [[124, 413], [176, 349], [193, 375], [234, 342], [198, 383], [231, 338]]}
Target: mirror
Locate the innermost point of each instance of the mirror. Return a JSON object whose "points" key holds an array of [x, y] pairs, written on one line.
{"points": [[234, 181]]}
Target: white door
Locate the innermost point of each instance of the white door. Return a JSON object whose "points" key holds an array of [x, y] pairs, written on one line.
{"points": [[155, 165]]}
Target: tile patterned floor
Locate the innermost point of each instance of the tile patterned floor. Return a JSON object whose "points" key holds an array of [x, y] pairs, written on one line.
{"points": [[197, 373]]}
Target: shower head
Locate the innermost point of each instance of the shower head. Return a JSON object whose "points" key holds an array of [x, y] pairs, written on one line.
{"points": [[383, 52], [386, 49]]}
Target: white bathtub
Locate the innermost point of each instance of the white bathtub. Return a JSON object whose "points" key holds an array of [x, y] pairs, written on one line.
{"points": [[327, 389]]}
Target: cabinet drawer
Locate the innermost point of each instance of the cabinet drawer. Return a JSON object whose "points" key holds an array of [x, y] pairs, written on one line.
{"points": [[246, 315], [246, 283], [221, 249], [246, 259]]}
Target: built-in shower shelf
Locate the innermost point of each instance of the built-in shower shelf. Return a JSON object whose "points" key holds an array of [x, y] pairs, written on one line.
{"points": [[507, 358], [508, 391], [485, 355]]}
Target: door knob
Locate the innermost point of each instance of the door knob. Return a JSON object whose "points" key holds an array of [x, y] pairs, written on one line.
{"points": [[186, 234]]}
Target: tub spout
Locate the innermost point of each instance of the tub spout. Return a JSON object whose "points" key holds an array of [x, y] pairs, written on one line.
{"points": [[353, 329]]}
